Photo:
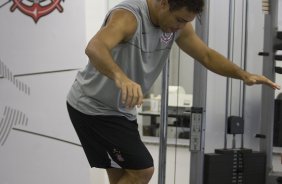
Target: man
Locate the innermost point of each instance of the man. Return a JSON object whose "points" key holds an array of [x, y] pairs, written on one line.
{"points": [[125, 58]]}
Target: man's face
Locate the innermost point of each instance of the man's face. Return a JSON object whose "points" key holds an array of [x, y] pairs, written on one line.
{"points": [[171, 21]]}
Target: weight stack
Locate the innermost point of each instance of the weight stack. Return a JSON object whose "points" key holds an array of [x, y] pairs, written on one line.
{"points": [[235, 166]]}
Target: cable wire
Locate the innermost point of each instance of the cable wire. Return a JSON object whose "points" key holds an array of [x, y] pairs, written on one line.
{"points": [[177, 112]]}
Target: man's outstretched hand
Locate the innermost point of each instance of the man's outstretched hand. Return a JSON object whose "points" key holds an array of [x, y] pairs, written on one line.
{"points": [[260, 79]]}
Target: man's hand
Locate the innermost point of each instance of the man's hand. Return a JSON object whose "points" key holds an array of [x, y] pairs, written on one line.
{"points": [[131, 93], [265, 6], [252, 79]]}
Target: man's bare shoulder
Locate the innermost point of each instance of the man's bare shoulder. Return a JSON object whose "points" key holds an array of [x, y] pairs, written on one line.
{"points": [[123, 20], [186, 31]]}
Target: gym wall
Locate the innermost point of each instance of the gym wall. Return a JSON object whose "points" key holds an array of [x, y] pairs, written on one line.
{"points": [[41, 49]]}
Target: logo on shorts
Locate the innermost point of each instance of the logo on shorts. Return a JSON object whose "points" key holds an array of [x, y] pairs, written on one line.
{"points": [[166, 37], [35, 8], [118, 155]]}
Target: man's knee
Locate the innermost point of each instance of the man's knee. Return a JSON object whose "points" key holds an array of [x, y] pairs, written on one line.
{"points": [[141, 176]]}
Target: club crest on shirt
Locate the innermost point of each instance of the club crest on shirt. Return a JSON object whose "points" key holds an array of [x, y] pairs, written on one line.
{"points": [[166, 37], [118, 155]]}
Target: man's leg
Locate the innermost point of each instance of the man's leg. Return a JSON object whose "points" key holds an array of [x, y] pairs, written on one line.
{"points": [[121, 176], [115, 174]]}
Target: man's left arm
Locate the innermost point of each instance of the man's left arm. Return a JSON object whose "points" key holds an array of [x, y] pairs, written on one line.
{"points": [[191, 44]]}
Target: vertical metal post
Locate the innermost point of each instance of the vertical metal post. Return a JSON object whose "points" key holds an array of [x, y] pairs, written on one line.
{"points": [[163, 125], [230, 57], [199, 98], [267, 108], [245, 20]]}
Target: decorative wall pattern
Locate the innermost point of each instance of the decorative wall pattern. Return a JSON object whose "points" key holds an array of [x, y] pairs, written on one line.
{"points": [[47, 136], [11, 118], [6, 73], [37, 67]]}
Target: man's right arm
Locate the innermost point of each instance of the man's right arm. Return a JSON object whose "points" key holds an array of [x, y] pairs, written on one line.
{"points": [[120, 26]]}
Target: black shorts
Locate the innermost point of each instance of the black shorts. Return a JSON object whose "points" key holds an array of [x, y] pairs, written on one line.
{"points": [[110, 141]]}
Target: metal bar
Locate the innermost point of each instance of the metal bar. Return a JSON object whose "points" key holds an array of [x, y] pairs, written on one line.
{"points": [[199, 98], [267, 108], [246, 12], [163, 125], [230, 57]]}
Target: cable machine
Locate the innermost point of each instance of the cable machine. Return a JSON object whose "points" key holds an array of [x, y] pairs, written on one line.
{"points": [[272, 43], [198, 114]]}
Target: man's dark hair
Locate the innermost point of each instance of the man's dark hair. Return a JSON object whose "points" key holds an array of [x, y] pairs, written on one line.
{"points": [[195, 6]]}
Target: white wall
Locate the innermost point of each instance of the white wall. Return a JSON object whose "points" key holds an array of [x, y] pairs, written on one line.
{"points": [[95, 13], [38, 63]]}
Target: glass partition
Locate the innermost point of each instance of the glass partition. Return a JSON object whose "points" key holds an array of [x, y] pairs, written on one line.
{"points": [[179, 103]]}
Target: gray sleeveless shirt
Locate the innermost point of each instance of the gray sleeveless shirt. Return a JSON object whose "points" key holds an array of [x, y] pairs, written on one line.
{"points": [[141, 58]]}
